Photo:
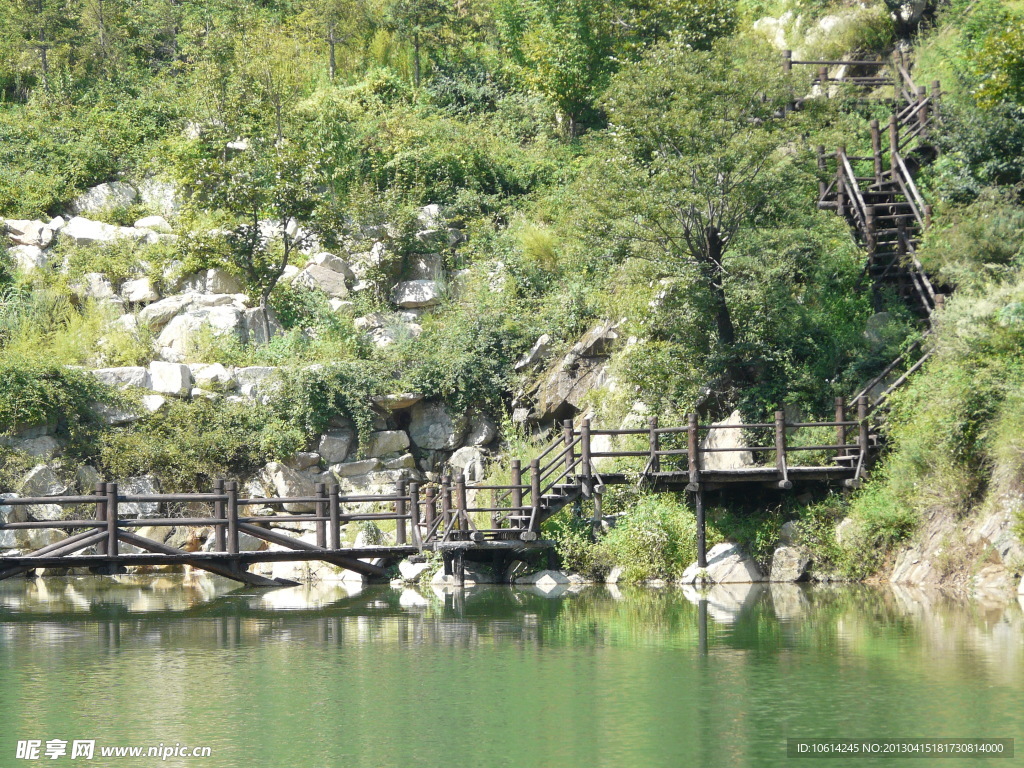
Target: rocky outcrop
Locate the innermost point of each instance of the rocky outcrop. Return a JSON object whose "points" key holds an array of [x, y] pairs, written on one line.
{"points": [[103, 197], [560, 390]]}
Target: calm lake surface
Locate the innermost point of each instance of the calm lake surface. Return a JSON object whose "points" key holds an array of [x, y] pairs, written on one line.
{"points": [[496, 676]]}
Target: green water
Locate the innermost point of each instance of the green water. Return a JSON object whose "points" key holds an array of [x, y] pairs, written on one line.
{"points": [[500, 677]]}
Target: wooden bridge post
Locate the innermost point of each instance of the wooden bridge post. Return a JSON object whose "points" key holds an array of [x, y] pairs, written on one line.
{"points": [[460, 502], [863, 438], [400, 513], [787, 61], [928, 216], [840, 183], [321, 511], [219, 534], [869, 232], [101, 514], [654, 440], [936, 98], [446, 501], [568, 433], [922, 109], [517, 490], [823, 77], [535, 488], [840, 428], [822, 167], [702, 542], [429, 507], [585, 468], [876, 150], [894, 144], [414, 513], [693, 449], [334, 505], [112, 503], [231, 488]]}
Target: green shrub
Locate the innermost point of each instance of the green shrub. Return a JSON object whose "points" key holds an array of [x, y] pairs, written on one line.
{"points": [[188, 443], [655, 538]]}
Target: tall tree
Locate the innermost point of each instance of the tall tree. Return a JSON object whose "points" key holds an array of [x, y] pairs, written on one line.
{"points": [[423, 23], [335, 22], [695, 158]]}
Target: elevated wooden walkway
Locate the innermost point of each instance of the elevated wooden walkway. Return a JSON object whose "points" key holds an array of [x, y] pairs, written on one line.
{"points": [[875, 193]]}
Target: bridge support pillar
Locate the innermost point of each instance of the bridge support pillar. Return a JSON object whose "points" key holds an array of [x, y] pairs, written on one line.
{"points": [[698, 505]]}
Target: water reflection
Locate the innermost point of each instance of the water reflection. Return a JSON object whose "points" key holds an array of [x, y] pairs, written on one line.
{"points": [[595, 676]]}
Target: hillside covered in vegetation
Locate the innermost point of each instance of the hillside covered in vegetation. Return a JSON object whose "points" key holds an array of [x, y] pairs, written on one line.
{"points": [[358, 238]]}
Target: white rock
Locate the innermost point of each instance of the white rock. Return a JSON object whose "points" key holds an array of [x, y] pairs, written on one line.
{"points": [[103, 197], [727, 564], [222, 281], [542, 579], [96, 286], [333, 263], [256, 380], [159, 195], [304, 460], [256, 329], [212, 376], [282, 481], [356, 468], [83, 231], [469, 462], [323, 279], [412, 571], [429, 216], [123, 378], [385, 442], [28, 257], [153, 403], [155, 223], [139, 291], [482, 431], [335, 445], [417, 293], [159, 313], [170, 378], [539, 352], [25, 232], [405, 461], [736, 457], [41, 480], [398, 402], [434, 427]]}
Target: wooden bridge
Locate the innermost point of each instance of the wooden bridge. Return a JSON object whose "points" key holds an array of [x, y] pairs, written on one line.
{"points": [[875, 193]]}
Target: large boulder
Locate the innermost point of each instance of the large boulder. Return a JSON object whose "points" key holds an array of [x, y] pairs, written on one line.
{"points": [[322, 278], [82, 231], [789, 564], [333, 263], [222, 320], [159, 313], [115, 194], [469, 462], [25, 232], [28, 257], [433, 427], [159, 195], [124, 377], [213, 376], [170, 378], [281, 481], [41, 480], [727, 564], [412, 294], [139, 291], [154, 223], [335, 445], [261, 325], [729, 445], [539, 352], [559, 392], [386, 442]]}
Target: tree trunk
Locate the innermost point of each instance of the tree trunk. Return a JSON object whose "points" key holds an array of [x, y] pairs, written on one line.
{"points": [[716, 280]]}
